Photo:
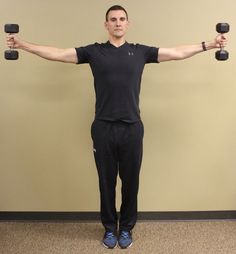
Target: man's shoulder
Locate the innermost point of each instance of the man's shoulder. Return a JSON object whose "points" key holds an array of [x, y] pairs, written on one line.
{"points": [[91, 45], [140, 47]]}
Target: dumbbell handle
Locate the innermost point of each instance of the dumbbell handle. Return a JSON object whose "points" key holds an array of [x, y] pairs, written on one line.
{"points": [[222, 46], [10, 47]]}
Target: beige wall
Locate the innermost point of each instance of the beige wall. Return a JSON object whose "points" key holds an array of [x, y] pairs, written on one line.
{"points": [[188, 108]]}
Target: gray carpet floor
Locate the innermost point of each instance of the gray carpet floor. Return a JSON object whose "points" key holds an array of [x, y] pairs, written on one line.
{"points": [[150, 237]]}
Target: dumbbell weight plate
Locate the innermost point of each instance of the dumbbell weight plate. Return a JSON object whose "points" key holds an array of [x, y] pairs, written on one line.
{"points": [[11, 55], [11, 28], [222, 55], [222, 28]]}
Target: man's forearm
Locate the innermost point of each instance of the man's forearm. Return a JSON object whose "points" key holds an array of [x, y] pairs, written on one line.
{"points": [[183, 52], [49, 53], [186, 51]]}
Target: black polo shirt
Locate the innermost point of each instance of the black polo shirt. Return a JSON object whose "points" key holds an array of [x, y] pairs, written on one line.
{"points": [[117, 73]]}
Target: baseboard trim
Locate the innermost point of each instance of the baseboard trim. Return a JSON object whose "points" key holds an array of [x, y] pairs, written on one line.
{"points": [[95, 216]]}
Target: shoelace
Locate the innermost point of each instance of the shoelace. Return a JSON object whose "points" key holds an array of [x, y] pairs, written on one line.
{"points": [[124, 234], [109, 235]]}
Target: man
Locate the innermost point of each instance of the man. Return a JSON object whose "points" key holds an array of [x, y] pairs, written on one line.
{"points": [[117, 130]]}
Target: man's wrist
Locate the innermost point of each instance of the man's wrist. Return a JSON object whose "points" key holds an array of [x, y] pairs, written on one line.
{"points": [[208, 45], [204, 46]]}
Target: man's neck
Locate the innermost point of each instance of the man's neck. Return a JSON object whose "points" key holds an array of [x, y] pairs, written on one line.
{"points": [[117, 42]]}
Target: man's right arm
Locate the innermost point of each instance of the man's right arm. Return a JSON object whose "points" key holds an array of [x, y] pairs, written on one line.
{"points": [[50, 53]]}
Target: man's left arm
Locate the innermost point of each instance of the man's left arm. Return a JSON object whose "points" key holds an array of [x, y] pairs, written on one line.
{"points": [[186, 51]]}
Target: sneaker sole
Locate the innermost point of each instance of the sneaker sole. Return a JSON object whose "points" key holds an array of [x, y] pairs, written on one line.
{"points": [[107, 247], [125, 247]]}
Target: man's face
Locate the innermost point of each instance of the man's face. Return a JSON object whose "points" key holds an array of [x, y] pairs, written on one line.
{"points": [[117, 23]]}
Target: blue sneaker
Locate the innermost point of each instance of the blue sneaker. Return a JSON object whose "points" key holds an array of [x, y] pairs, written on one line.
{"points": [[125, 239], [109, 240]]}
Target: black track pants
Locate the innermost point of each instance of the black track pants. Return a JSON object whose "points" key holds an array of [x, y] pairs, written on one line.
{"points": [[117, 149]]}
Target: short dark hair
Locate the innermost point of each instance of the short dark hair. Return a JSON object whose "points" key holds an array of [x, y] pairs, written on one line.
{"points": [[116, 8]]}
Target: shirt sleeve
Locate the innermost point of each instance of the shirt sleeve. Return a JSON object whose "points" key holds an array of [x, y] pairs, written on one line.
{"points": [[150, 53], [84, 53]]}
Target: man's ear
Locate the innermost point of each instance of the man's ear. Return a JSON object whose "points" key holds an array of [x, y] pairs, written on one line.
{"points": [[128, 25], [105, 24]]}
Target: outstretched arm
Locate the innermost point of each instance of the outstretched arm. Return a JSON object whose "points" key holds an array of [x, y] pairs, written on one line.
{"points": [[50, 53], [186, 51]]}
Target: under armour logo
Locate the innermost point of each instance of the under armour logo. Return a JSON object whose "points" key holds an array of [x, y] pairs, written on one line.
{"points": [[130, 53]]}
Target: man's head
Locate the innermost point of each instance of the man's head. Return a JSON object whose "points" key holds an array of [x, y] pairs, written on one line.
{"points": [[116, 21], [116, 8]]}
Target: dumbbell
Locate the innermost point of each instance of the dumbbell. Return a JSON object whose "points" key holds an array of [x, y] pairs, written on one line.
{"points": [[11, 29], [222, 54]]}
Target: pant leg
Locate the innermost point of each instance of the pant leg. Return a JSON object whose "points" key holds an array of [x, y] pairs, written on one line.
{"points": [[107, 166], [130, 159]]}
